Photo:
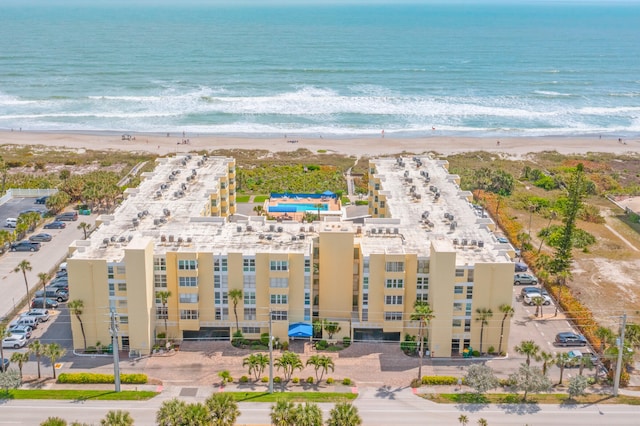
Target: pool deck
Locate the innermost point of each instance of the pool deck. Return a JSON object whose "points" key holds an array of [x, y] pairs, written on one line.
{"points": [[333, 205]]}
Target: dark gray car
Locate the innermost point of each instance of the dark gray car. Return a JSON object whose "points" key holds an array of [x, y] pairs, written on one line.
{"points": [[25, 246]]}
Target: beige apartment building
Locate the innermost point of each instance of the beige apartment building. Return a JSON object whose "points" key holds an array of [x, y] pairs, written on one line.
{"points": [[179, 232]]}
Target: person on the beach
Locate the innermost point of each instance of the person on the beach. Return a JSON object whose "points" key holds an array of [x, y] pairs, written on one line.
{"points": [[498, 143], [383, 134]]}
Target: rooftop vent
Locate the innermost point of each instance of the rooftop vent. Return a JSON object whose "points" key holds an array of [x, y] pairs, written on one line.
{"points": [[163, 238], [269, 237], [261, 236], [105, 241], [156, 222], [455, 241], [249, 228], [135, 221], [166, 212], [272, 227], [480, 243], [129, 238], [280, 229], [311, 229], [189, 239], [114, 238], [239, 228], [122, 239], [294, 238], [301, 236], [171, 238], [374, 231], [180, 240]]}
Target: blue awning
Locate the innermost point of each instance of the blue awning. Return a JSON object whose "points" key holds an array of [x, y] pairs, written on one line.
{"points": [[300, 329]]}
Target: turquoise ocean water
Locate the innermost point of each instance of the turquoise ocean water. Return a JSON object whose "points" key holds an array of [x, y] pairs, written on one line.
{"points": [[341, 71]]}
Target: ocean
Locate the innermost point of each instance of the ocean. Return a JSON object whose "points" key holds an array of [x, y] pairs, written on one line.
{"points": [[509, 69]]}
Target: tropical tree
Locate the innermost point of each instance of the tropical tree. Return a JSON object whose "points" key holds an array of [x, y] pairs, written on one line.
{"points": [[76, 307], [223, 409], [344, 414], [562, 360], [54, 352], [43, 276], [577, 386], [171, 413], [423, 314], [54, 421], [10, 379], [235, 295], [529, 349], [117, 418], [482, 422], [507, 312], [331, 327], [546, 358], [24, 266], [283, 413], [256, 363], [538, 301], [308, 414], [86, 227], [463, 419], [259, 209], [321, 363], [196, 414], [36, 348], [164, 297], [530, 380], [288, 362], [632, 334], [19, 358], [4, 332], [482, 316], [481, 378]]}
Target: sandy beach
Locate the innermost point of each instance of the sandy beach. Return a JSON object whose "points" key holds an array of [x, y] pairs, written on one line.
{"points": [[358, 147]]}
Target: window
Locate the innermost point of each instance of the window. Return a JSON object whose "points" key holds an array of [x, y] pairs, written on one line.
{"points": [[457, 306], [124, 319], [159, 264], [422, 297], [110, 274], [423, 266], [279, 265], [188, 314], [121, 270], [469, 292], [122, 303], [122, 286], [467, 310], [249, 297], [365, 299], [162, 312], [422, 283], [112, 289], [393, 300], [394, 267], [307, 265], [251, 330], [278, 282], [456, 323], [459, 272], [279, 315], [249, 281], [249, 314], [188, 281], [279, 299], [365, 283], [394, 283], [382, 204], [470, 275], [393, 316], [365, 314], [457, 289], [221, 298], [365, 265], [188, 298], [220, 264], [467, 325], [188, 265], [160, 280], [249, 265], [222, 314]]}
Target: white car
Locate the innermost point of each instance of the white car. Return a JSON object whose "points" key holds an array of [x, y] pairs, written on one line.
{"points": [[14, 341], [529, 299], [42, 315]]}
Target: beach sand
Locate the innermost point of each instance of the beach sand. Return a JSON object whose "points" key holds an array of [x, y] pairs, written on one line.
{"points": [[357, 147]]}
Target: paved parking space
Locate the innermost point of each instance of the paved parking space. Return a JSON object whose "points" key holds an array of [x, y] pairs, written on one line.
{"points": [[14, 206]]}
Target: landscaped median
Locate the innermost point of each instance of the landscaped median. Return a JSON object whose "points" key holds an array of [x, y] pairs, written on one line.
{"points": [[293, 396], [77, 395], [545, 398]]}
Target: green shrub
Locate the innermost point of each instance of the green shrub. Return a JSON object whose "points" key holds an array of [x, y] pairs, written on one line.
{"points": [[295, 380], [416, 383], [322, 345], [346, 381], [491, 349], [277, 379], [96, 378], [504, 382], [161, 335], [310, 380], [329, 380], [244, 379], [265, 379], [264, 339], [91, 350], [285, 346], [346, 341], [476, 353], [439, 380]]}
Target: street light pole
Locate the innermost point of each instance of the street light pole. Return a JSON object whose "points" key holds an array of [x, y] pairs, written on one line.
{"points": [[616, 381], [270, 354], [115, 349]]}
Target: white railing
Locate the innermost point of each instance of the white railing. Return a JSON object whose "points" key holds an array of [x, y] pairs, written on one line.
{"points": [[25, 193]]}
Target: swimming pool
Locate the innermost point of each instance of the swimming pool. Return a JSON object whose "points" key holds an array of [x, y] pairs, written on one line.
{"points": [[297, 207]]}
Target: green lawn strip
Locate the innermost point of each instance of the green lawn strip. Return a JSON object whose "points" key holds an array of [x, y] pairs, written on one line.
{"points": [[547, 398], [76, 394], [293, 396], [260, 198], [242, 198]]}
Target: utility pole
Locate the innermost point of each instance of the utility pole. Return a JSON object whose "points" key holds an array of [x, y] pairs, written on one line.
{"points": [[115, 350], [616, 381], [270, 354]]}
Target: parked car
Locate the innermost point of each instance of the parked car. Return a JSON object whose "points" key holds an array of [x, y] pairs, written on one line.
{"points": [[38, 302], [61, 274], [56, 224], [526, 279], [32, 210], [41, 237], [528, 290], [21, 329], [41, 314], [25, 245], [530, 299], [57, 282], [5, 364], [570, 339], [503, 240], [521, 267], [14, 341], [62, 286], [42, 200], [53, 293], [29, 321], [67, 216], [11, 222], [575, 356]]}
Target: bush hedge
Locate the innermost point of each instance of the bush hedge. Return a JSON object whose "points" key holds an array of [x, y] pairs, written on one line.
{"points": [[439, 380], [95, 378]]}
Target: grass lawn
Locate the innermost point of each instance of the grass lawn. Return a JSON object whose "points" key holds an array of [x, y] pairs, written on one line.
{"points": [[293, 396], [242, 198], [546, 398], [75, 394], [260, 198]]}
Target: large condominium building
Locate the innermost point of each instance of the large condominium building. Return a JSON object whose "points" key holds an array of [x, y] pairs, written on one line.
{"points": [[179, 232]]}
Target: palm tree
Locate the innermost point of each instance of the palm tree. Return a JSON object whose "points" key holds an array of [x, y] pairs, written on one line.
{"points": [[283, 413], [507, 311], [164, 297], [117, 418], [344, 414], [562, 359], [36, 349], [423, 314], [308, 414], [321, 362], [482, 422], [288, 362], [19, 358], [528, 348], [463, 419], [257, 363], [196, 414], [259, 209], [171, 413], [483, 318], [235, 295], [538, 301], [223, 409], [23, 267], [54, 352], [4, 332], [86, 227], [546, 358], [606, 336], [54, 421], [43, 276], [76, 307]]}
